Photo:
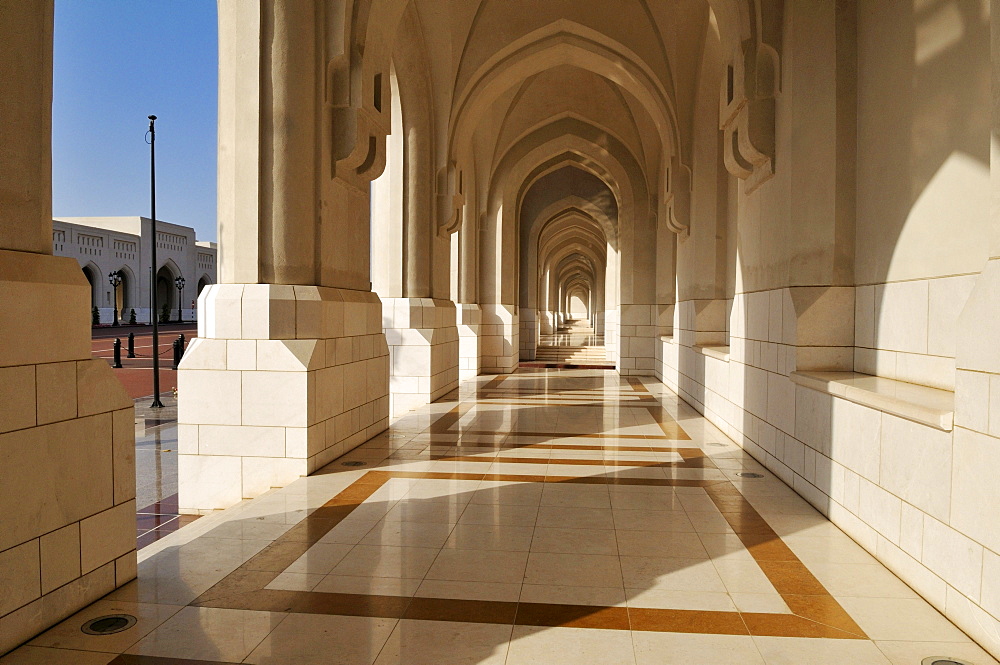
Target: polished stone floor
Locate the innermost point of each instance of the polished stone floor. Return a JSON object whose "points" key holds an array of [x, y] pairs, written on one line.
{"points": [[545, 517], [156, 471]]}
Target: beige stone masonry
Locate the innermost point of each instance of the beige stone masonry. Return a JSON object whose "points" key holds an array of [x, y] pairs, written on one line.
{"points": [[423, 350], [905, 469], [283, 380], [637, 334], [67, 441], [528, 333], [498, 339], [470, 319], [927, 406]]}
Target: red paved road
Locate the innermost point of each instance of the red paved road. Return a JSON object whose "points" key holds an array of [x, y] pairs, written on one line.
{"points": [[137, 373]]}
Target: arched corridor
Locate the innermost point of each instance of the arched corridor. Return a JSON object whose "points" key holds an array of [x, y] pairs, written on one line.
{"points": [[558, 278]]}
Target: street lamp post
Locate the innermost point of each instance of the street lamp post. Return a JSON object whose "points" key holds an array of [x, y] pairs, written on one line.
{"points": [[179, 283], [115, 278], [157, 404]]}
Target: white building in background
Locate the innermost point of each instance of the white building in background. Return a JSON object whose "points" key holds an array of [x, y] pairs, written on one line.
{"points": [[102, 245]]}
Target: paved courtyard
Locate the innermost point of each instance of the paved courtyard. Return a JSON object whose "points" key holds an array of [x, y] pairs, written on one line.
{"points": [[136, 373]]}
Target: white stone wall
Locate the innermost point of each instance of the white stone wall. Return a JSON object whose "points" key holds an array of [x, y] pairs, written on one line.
{"points": [[528, 335], [907, 330], [423, 350], [921, 499], [470, 318], [635, 340], [281, 381], [499, 339], [611, 335], [67, 441]]}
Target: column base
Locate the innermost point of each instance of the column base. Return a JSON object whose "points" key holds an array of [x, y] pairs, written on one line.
{"points": [[636, 334], [599, 323], [423, 351], [470, 318], [67, 441], [282, 380], [611, 332], [528, 333], [546, 323], [499, 344]]}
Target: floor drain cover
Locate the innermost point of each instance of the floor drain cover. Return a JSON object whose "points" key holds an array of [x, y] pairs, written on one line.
{"points": [[939, 660], [353, 463], [748, 474], [107, 625]]}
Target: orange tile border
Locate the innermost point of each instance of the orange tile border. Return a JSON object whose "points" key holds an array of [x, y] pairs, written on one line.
{"points": [[815, 612]]}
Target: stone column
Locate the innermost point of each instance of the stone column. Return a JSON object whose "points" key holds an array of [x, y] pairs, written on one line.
{"points": [[423, 350], [499, 343], [469, 319], [469, 315], [528, 335], [611, 295], [290, 368], [418, 319], [67, 436]]}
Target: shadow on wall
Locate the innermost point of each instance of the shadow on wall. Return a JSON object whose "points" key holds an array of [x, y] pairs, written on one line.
{"points": [[919, 239], [918, 236]]}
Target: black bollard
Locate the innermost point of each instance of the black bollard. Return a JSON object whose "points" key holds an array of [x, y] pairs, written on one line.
{"points": [[183, 342], [131, 345], [118, 352], [177, 353]]}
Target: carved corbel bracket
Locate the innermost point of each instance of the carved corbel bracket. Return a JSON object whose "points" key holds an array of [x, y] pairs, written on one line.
{"points": [[358, 119], [747, 113], [677, 200], [450, 199]]}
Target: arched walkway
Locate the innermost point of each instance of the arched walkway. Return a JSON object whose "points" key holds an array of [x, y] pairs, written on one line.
{"points": [[774, 215]]}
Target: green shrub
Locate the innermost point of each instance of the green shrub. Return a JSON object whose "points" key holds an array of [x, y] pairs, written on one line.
{"points": [[95, 317], [165, 313], [131, 317]]}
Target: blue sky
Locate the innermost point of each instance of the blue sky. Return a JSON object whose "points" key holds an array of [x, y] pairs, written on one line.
{"points": [[117, 61]]}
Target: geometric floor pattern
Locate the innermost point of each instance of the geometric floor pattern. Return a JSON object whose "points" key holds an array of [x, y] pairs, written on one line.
{"points": [[567, 516]]}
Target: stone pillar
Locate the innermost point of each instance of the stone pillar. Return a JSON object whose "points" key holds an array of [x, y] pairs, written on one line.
{"points": [[499, 344], [423, 350], [547, 322], [67, 431], [291, 367], [528, 333], [636, 334], [410, 260], [470, 318]]}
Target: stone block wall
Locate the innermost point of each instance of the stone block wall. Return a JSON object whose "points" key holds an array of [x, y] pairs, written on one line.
{"points": [[469, 318], [282, 380], [499, 339], [906, 330], [67, 441], [423, 343], [922, 499]]}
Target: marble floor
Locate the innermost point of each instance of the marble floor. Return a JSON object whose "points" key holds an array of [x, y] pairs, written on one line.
{"points": [[544, 517], [156, 471]]}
